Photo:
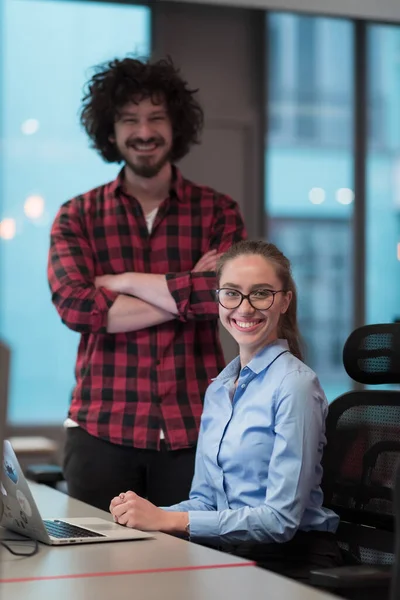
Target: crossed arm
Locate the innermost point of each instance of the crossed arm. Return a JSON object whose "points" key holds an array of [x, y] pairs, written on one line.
{"points": [[144, 299], [133, 314], [130, 301]]}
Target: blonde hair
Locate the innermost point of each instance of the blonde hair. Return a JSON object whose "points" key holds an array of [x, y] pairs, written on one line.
{"points": [[287, 328]]}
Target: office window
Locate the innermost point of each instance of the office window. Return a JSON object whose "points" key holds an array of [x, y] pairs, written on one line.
{"points": [[382, 298], [309, 177], [48, 48]]}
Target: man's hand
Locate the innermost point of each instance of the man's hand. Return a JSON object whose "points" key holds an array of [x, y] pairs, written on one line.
{"points": [[114, 283], [208, 262], [131, 510]]}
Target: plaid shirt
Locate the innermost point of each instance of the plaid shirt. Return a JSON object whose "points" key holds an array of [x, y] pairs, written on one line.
{"points": [[131, 385]]}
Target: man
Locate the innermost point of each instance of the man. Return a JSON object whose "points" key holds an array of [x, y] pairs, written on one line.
{"points": [[131, 268]]}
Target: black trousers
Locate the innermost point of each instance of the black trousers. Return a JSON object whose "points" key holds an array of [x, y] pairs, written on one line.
{"points": [[96, 471], [308, 550]]}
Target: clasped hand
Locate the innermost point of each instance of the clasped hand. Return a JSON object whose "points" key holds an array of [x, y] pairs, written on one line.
{"points": [[131, 510]]}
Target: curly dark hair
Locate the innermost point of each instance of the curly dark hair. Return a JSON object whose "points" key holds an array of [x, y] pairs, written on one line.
{"points": [[118, 82]]}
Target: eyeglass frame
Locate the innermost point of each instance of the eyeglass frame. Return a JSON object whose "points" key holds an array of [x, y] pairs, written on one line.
{"points": [[247, 297]]}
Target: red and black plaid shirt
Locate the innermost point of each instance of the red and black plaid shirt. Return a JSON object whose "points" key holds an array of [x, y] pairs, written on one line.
{"points": [[131, 385]]}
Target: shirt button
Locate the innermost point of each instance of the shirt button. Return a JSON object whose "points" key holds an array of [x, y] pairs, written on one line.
{"points": [[243, 385]]}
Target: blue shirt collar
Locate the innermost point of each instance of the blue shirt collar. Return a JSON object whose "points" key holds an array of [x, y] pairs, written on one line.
{"points": [[258, 363]]}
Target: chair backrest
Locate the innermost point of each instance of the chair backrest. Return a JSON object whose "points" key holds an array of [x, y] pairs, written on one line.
{"points": [[363, 447], [363, 439], [395, 588]]}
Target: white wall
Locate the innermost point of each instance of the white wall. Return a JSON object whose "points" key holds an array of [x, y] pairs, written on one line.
{"points": [[388, 10]]}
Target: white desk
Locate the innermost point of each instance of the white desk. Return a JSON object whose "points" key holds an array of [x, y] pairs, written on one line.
{"points": [[164, 568]]}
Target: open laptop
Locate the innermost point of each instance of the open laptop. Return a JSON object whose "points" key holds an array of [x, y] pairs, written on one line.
{"points": [[21, 514]]}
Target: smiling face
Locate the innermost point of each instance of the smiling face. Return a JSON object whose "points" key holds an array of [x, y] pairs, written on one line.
{"points": [[143, 136], [252, 328]]}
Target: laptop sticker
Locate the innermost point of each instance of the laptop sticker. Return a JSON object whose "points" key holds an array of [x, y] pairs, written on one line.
{"points": [[23, 517], [10, 471], [23, 503], [19, 524]]}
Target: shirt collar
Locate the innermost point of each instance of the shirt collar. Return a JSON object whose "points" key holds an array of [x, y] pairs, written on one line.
{"points": [[177, 188], [178, 184], [116, 186], [258, 363]]}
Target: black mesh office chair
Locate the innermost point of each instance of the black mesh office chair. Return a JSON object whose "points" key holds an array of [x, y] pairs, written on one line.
{"points": [[395, 586], [360, 458]]}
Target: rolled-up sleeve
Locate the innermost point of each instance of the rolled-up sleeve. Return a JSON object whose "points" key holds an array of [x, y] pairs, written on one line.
{"points": [[194, 295], [71, 274], [194, 292]]}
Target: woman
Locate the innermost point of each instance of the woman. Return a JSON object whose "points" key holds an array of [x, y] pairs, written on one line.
{"points": [[256, 489]]}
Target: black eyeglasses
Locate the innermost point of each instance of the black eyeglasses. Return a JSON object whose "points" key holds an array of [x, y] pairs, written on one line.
{"points": [[261, 299]]}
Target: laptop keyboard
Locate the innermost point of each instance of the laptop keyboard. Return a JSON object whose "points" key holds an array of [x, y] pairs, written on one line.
{"points": [[60, 530]]}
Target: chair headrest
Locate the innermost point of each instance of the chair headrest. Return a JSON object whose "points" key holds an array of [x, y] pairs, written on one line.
{"points": [[371, 354]]}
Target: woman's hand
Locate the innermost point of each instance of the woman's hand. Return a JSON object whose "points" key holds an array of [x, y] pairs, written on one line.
{"points": [[131, 510]]}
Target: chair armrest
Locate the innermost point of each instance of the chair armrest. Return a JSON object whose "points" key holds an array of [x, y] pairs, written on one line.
{"points": [[47, 474], [354, 576]]}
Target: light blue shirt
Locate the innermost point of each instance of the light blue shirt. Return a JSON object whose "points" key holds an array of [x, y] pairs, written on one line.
{"points": [[258, 460]]}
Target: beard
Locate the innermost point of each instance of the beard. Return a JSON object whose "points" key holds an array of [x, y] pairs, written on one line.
{"points": [[144, 166]]}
